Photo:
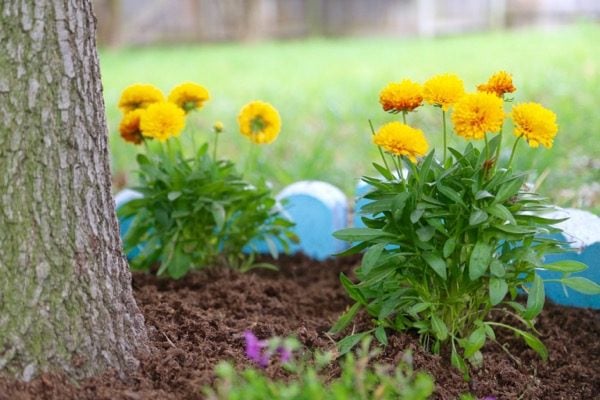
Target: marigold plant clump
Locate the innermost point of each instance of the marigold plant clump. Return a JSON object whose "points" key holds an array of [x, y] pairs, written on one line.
{"points": [[196, 210], [448, 240]]}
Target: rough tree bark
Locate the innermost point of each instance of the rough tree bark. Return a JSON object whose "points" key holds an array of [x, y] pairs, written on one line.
{"points": [[65, 290]]}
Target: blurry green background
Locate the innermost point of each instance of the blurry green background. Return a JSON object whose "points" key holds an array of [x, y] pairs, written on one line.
{"points": [[326, 89]]}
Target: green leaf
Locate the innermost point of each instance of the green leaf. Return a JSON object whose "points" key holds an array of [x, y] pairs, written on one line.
{"points": [[345, 319], [474, 342], [535, 298], [352, 290], [499, 211], [581, 285], [172, 196], [436, 263], [439, 328], [477, 217], [399, 202], [451, 194], [381, 335], [384, 172], [416, 215], [535, 343], [497, 268], [459, 363], [347, 343], [361, 234], [498, 289], [425, 233], [509, 189], [218, 213], [483, 194], [417, 308], [481, 256], [566, 266], [371, 257], [516, 230], [449, 247]]}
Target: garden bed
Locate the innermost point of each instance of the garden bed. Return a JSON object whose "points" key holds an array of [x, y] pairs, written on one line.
{"points": [[197, 321]]}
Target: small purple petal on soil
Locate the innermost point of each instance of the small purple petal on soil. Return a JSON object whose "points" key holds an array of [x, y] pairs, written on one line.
{"points": [[254, 349], [285, 354]]}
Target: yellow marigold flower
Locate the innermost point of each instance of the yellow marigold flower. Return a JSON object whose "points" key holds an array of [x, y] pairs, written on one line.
{"points": [[476, 114], [189, 96], [259, 121], [498, 84], [402, 140], [404, 96], [218, 127], [536, 123], [162, 120], [139, 95], [443, 90], [130, 127]]}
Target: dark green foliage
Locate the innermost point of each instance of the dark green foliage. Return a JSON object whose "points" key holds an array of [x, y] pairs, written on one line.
{"points": [[197, 212], [445, 246]]}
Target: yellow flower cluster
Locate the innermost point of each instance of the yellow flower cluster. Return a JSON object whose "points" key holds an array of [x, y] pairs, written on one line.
{"points": [[401, 140], [260, 122], [147, 114], [401, 97], [536, 123], [473, 116]]}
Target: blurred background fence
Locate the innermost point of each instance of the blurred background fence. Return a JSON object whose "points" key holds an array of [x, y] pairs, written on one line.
{"points": [[135, 22]]}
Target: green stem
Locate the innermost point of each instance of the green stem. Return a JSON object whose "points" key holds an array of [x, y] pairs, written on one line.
{"points": [[250, 159], [512, 153], [215, 147], [404, 117], [497, 160], [487, 147], [445, 134]]}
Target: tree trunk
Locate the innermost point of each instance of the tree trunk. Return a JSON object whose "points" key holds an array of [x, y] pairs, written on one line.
{"points": [[65, 290]]}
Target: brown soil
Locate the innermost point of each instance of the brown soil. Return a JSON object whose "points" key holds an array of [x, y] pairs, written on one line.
{"points": [[197, 321]]}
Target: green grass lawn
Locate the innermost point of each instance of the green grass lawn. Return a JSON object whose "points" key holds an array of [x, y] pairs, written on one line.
{"points": [[327, 89]]}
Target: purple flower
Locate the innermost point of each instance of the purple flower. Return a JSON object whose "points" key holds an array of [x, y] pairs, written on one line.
{"points": [[254, 349], [285, 354]]}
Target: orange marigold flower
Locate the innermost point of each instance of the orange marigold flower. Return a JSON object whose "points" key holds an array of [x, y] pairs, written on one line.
{"points": [[162, 120], [130, 127], [139, 95], [402, 140], [443, 90], [404, 96], [476, 114], [189, 96], [498, 84], [260, 122], [536, 123]]}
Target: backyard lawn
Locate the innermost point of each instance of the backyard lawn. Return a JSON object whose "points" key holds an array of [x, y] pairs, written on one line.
{"points": [[326, 90]]}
